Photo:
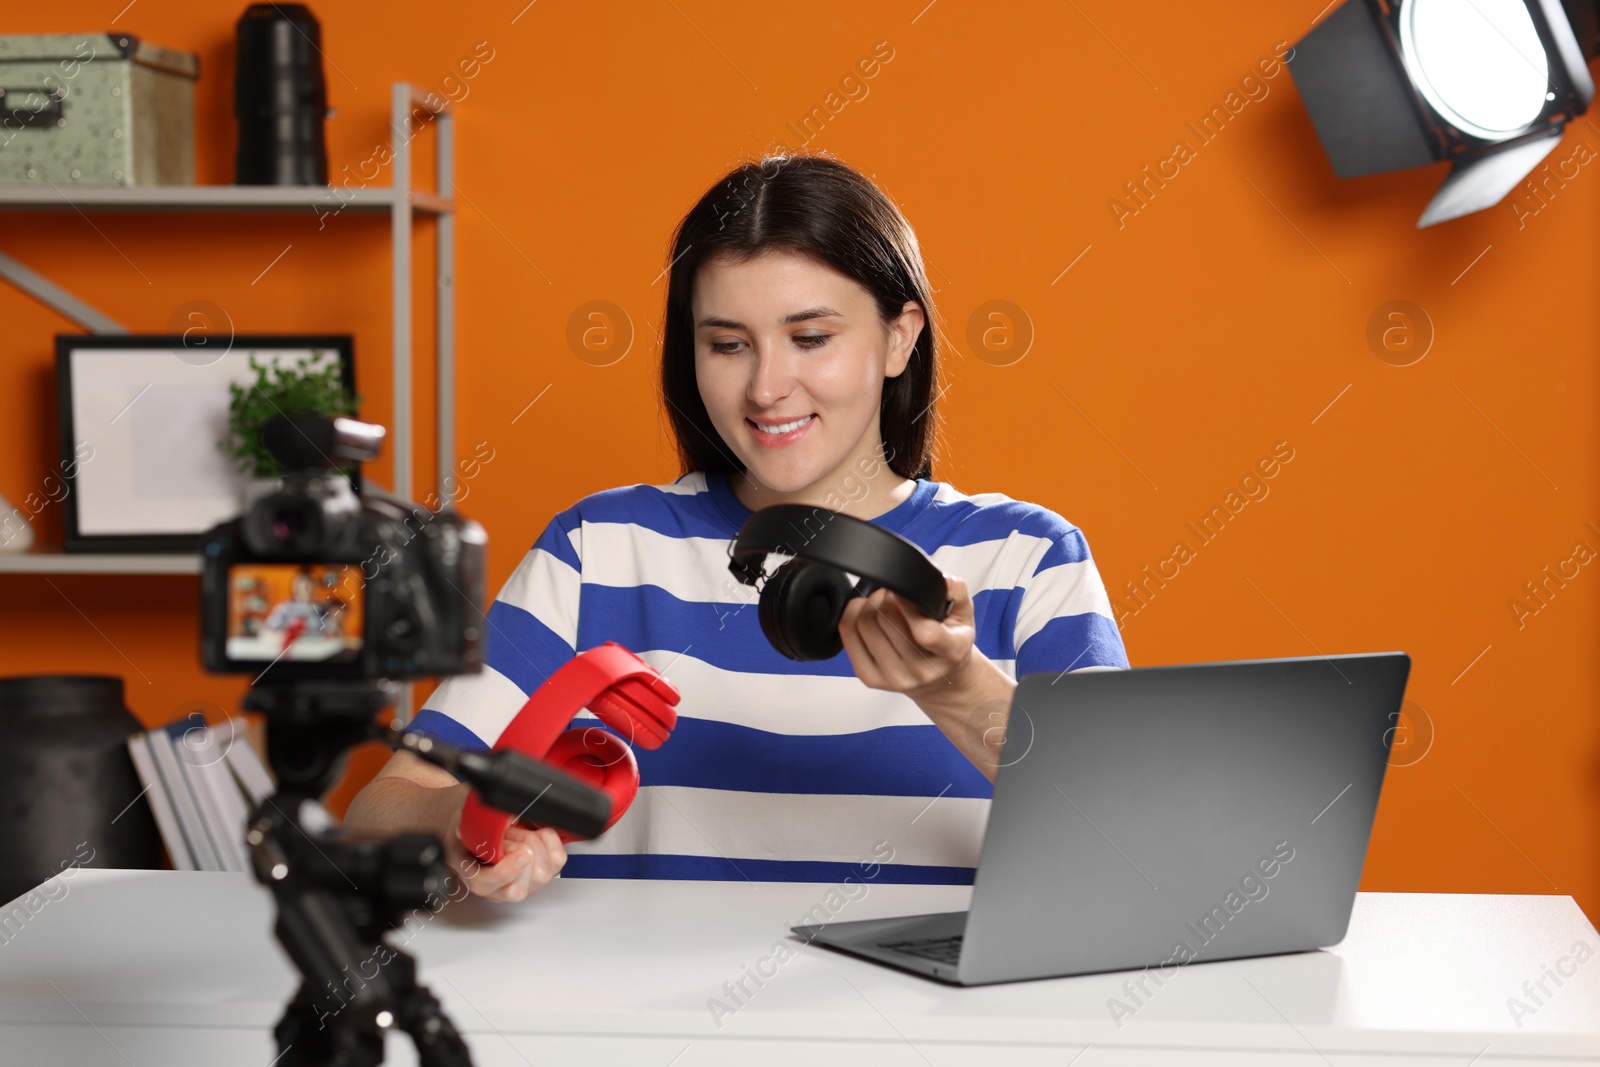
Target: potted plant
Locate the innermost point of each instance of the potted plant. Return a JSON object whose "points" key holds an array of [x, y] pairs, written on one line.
{"points": [[311, 386]]}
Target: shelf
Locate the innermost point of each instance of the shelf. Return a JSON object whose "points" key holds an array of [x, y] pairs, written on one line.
{"points": [[218, 198], [400, 201], [99, 563]]}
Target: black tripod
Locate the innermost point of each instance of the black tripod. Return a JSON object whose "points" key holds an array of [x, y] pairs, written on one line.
{"points": [[338, 892]]}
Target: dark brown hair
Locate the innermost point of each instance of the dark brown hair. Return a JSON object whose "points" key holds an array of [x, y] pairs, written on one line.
{"points": [[820, 208]]}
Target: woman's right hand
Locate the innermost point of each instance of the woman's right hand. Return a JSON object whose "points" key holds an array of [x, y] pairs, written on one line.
{"points": [[531, 859]]}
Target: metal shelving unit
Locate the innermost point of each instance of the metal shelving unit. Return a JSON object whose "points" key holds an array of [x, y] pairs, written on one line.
{"points": [[99, 563], [177, 198], [399, 200]]}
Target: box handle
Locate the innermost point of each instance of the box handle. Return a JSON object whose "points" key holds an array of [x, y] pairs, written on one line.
{"points": [[19, 117]]}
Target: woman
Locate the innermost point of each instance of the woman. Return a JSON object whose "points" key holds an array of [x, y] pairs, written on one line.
{"points": [[798, 366]]}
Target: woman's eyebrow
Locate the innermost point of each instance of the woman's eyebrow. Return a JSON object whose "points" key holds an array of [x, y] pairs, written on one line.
{"points": [[798, 316]]}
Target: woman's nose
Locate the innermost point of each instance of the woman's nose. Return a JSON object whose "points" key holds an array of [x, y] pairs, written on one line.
{"points": [[771, 380]]}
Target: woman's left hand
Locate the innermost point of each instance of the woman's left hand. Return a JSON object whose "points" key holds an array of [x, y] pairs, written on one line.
{"points": [[893, 645]]}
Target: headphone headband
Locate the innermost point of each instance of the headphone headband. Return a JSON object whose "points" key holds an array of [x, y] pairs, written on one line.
{"points": [[845, 543]]}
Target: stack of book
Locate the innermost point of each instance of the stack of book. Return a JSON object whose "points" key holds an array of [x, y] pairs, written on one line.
{"points": [[202, 782]]}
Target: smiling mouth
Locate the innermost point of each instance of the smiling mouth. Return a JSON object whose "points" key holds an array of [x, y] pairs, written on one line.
{"points": [[779, 428]]}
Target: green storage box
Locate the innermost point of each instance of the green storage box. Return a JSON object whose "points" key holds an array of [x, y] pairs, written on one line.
{"points": [[95, 109]]}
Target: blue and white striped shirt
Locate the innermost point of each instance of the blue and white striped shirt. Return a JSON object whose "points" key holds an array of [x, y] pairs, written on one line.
{"points": [[777, 770]]}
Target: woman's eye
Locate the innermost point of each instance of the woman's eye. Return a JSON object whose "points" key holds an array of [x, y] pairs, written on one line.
{"points": [[809, 340]]}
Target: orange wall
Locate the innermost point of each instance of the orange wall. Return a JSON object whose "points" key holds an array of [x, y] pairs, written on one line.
{"points": [[1186, 340]]}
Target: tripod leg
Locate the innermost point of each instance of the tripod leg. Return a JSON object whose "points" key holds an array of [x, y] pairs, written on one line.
{"points": [[439, 1043], [305, 1040]]}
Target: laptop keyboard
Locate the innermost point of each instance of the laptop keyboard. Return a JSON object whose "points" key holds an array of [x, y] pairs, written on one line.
{"points": [[938, 949]]}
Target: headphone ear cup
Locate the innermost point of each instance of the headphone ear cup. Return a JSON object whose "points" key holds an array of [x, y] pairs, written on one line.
{"points": [[600, 759], [800, 609], [636, 712]]}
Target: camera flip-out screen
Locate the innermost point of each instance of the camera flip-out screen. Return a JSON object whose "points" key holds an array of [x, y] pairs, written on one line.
{"points": [[305, 612]]}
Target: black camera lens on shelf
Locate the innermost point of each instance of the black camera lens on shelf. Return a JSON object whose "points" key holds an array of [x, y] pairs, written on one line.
{"points": [[280, 97]]}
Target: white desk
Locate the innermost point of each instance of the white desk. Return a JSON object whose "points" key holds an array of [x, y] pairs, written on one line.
{"points": [[149, 968]]}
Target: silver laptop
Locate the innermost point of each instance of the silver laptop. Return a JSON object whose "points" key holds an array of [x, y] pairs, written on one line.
{"points": [[1160, 816]]}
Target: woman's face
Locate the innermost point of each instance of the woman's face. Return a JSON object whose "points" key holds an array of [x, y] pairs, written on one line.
{"points": [[790, 357]]}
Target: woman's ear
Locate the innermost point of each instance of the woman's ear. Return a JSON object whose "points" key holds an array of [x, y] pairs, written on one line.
{"points": [[903, 334]]}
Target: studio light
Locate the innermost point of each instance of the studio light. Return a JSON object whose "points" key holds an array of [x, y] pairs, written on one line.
{"points": [[1488, 84]]}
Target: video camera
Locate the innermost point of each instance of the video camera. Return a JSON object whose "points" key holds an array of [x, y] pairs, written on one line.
{"points": [[327, 598], [315, 582]]}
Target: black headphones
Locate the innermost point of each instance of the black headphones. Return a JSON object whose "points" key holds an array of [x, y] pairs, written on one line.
{"points": [[803, 600]]}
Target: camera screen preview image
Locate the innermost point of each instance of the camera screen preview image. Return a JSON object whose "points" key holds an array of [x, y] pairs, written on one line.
{"points": [[294, 611]]}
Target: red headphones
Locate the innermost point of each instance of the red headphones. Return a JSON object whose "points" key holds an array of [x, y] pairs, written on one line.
{"points": [[625, 693]]}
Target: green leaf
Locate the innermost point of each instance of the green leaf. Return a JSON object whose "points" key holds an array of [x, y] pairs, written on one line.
{"points": [[310, 386]]}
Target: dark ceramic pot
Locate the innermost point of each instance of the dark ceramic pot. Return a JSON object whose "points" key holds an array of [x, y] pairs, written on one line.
{"points": [[67, 786]]}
